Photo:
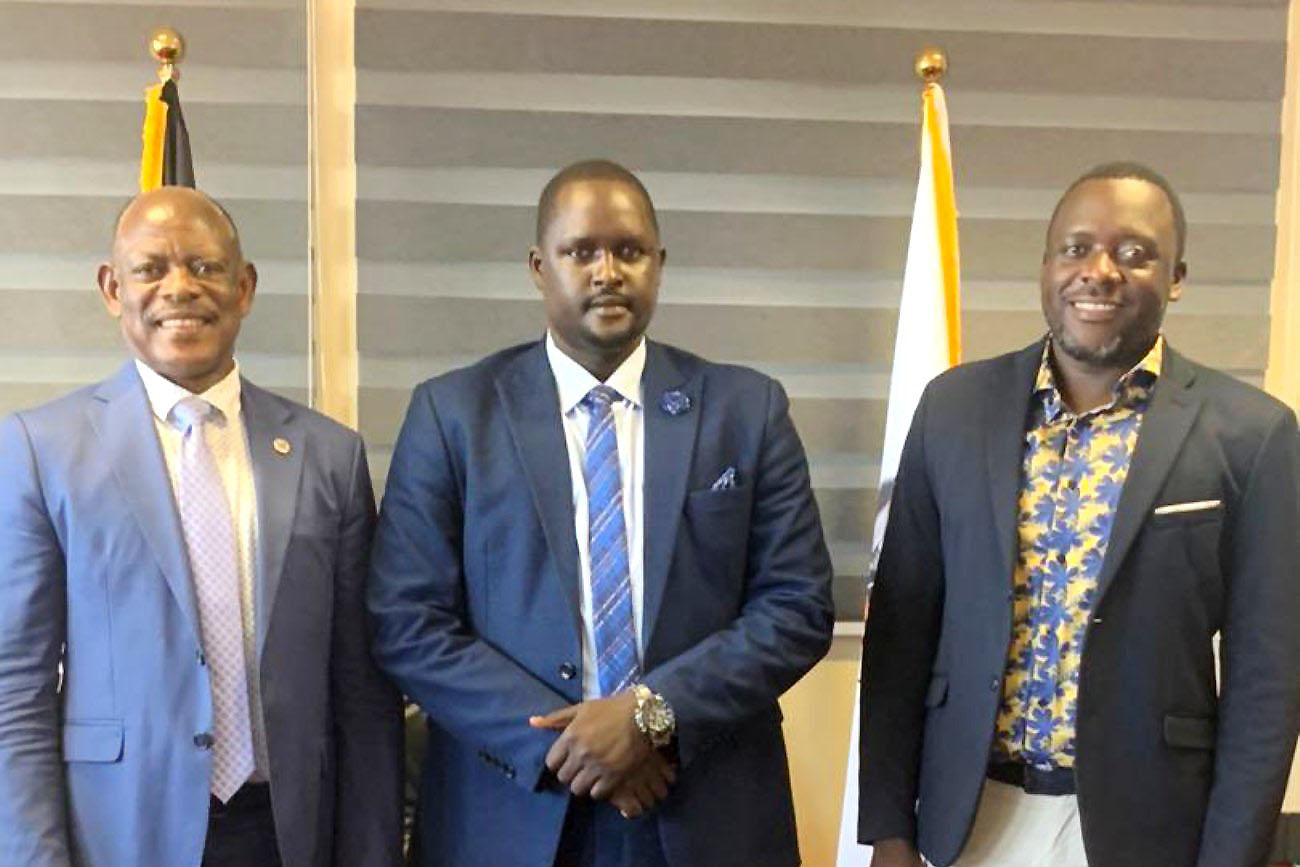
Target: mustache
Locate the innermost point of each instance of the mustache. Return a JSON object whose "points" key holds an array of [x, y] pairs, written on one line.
{"points": [[607, 299]]}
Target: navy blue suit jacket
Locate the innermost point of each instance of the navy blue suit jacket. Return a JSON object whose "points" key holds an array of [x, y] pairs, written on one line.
{"points": [[1170, 769], [474, 589]]}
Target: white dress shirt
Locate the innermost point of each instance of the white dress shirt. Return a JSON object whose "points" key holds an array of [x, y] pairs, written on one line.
{"points": [[229, 445], [573, 382]]}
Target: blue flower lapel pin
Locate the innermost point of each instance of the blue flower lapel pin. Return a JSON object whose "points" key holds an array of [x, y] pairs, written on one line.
{"points": [[675, 402]]}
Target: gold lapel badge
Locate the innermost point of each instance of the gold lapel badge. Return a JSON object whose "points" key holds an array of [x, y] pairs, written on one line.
{"points": [[281, 446]]}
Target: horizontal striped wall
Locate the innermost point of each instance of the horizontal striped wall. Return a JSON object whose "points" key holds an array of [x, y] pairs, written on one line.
{"points": [[72, 79], [778, 139]]}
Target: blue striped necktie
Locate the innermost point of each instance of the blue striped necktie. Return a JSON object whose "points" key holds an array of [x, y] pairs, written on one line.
{"points": [[611, 585]]}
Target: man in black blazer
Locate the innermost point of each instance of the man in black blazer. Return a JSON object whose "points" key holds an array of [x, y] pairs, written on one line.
{"points": [[1096, 485]]}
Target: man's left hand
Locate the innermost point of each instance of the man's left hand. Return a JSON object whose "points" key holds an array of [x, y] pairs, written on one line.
{"points": [[598, 746]]}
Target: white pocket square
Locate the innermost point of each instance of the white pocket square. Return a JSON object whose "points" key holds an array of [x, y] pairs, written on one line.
{"points": [[1194, 506]]}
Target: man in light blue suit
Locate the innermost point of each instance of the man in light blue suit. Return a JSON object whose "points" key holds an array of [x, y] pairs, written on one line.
{"points": [[598, 565], [184, 670]]}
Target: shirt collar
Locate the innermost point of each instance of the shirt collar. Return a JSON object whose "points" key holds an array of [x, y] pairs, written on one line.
{"points": [[574, 381], [1134, 386], [164, 394]]}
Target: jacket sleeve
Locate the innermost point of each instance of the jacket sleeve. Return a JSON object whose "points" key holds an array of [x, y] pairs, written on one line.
{"points": [[903, 619], [1259, 703], [368, 733], [418, 601], [787, 616], [33, 818]]}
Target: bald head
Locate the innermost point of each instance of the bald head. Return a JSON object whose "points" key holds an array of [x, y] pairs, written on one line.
{"points": [[169, 204]]}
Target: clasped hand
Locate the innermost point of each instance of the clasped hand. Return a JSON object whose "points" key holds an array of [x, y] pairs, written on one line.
{"points": [[602, 754]]}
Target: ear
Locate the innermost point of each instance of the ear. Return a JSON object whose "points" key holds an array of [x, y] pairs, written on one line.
{"points": [[247, 287], [663, 256], [535, 267], [109, 289], [1176, 287]]}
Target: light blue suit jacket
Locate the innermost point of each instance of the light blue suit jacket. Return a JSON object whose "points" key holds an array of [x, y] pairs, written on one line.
{"points": [[105, 768]]}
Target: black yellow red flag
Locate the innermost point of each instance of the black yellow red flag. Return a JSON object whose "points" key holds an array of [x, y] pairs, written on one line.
{"points": [[165, 158]]}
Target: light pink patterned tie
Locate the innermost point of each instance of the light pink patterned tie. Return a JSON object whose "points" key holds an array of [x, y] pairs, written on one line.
{"points": [[210, 541]]}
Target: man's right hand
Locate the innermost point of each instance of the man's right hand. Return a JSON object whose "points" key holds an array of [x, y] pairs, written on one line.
{"points": [[644, 787], [895, 852]]}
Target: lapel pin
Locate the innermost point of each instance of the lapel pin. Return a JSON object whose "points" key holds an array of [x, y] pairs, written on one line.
{"points": [[281, 446], [675, 402]]}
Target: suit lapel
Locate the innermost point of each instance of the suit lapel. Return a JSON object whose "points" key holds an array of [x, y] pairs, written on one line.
{"points": [[276, 473], [1005, 408], [669, 449], [532, 404], [124, 423], [1164, 428]]}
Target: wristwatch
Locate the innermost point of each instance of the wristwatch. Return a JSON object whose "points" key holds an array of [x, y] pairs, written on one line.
{"points": [[653, 716]]}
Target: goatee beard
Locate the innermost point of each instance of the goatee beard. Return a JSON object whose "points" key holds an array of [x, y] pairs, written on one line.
{"points": [[1120, 351]]}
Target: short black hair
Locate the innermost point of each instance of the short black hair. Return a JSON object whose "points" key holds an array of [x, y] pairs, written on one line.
{"points": [[1126, 170], [587, 170], [221, 209]]}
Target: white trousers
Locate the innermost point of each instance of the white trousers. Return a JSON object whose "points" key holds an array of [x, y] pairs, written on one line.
{"points": [[1013, 829]]}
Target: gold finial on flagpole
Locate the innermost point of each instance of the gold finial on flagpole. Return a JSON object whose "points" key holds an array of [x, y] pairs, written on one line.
{"points": [[931, 65], [168, 48]]}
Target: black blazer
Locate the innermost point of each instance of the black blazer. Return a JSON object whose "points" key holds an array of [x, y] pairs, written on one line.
{"points": [[1170, 770]]}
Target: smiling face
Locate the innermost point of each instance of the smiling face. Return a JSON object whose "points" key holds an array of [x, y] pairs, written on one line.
{"points": [[178, 285], [1109, 270], [598, 266]]}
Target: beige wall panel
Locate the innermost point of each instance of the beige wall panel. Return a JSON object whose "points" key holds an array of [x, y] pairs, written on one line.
{"points": [[404, 326], [233, 36], [84, 224], [990, 248], [464, 326], [84, 129], [425, 41], [990, 155], [78, 322]]}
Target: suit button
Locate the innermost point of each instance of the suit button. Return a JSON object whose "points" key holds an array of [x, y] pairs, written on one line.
{"points": [[994, 684], [203, 741], [198, 654], [567, 671], [510, 773]]}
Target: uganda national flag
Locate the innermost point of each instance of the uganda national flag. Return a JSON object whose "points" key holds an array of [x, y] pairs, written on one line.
{"points": [[927, 343], [165, 158]]}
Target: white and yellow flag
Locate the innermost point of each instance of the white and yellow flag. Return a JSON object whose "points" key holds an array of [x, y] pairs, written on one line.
{"points": [[928, 342]]}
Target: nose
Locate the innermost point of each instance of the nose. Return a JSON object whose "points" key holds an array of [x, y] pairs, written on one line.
{"points": [[178, 282], [1100, 268], [606, 271]]}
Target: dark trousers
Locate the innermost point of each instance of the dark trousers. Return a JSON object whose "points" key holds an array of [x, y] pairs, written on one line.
{"points": [[241, 832], [595, 835]]}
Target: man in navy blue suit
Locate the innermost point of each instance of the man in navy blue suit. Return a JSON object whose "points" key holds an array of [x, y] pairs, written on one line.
{"points": [[598, 565]]}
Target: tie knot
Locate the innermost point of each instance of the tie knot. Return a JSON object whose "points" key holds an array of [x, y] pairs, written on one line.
{"points": [[192, 412], [600, 398]]}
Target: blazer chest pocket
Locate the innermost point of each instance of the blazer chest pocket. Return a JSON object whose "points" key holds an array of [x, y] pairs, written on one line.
{"points": [[719, 520], [1189, 732], [92, 741], [1197, 531]]}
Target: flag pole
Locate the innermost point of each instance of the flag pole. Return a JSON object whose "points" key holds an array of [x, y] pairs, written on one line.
{"points": [[928, 341]]}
